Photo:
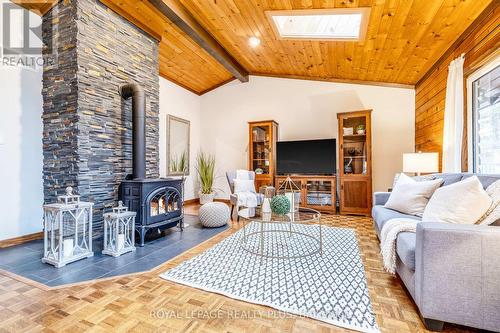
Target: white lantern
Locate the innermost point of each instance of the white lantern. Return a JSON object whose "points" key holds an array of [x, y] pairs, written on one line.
{"points": [[119, 231], [292, 193], [67, 230]]}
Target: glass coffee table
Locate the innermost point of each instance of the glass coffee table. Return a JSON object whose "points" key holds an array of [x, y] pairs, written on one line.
{"points": [[294, 235]]}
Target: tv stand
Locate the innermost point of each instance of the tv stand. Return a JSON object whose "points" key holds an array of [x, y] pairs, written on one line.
{"points": [[317, 191]]}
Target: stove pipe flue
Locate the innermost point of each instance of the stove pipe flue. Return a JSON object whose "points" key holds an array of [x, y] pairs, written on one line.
{"points": [[138, 127]]}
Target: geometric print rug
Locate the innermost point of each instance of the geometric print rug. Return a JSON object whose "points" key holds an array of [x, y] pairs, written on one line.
{"points": [[330, 287]]}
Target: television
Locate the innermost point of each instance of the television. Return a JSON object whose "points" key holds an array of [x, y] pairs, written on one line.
{"points": [[307, 157]]}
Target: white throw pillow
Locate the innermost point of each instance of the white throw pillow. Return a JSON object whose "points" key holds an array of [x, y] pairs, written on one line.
{"points": [[244, 185], [463, 202], [410, 196], [493, 214]]}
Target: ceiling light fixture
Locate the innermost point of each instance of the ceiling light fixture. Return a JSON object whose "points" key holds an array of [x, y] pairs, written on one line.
{"points": [[340, 24], [254, 41]]}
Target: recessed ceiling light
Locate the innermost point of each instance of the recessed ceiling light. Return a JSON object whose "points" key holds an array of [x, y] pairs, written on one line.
{"points": [[321, 24], [254, 41]]}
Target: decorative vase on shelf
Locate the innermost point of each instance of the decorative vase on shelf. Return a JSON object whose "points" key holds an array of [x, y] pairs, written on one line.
{"points": [[360, 129], [348, 167]]}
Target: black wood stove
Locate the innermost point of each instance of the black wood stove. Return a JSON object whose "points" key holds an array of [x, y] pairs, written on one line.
{"points": [[157, 202]]}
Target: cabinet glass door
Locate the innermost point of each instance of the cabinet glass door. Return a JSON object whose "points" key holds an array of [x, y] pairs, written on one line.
{"points": [[319, 193], [261, 148], [354, 145]]}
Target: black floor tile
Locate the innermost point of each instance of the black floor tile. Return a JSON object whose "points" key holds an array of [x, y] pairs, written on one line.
{"points": [[90, 273], [25, 259]]}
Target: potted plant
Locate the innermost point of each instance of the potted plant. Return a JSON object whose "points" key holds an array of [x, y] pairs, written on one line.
{"points": [[206, 173], [360, 129]]}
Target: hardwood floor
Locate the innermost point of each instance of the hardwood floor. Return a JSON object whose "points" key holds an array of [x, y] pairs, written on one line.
{"points": [[146, 303]]}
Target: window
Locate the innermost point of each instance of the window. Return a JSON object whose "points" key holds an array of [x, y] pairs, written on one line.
{"points": [[483, 96], [321, 24]]}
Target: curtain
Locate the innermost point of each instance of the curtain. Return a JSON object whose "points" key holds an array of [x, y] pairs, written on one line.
{"points": [[454, 117]]}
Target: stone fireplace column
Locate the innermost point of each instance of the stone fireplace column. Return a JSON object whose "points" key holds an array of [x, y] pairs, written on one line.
{"points": [[87, 136]]}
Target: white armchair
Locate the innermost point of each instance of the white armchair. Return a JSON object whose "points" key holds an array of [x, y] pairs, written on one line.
{"points": [[231, 175]]}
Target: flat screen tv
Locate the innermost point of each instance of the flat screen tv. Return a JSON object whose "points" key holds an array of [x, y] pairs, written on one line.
{"points": [[308, 157]]}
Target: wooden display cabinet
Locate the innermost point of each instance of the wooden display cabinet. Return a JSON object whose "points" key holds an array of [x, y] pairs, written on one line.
{"points": [[355, 162], [262, 151], [317, 192]]}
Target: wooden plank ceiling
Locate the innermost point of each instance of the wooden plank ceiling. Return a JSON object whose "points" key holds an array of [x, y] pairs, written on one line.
{"points": [[39, 7], [404, 39], [181, 59]]}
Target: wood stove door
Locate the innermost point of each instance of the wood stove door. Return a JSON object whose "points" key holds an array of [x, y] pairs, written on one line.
{"points": [[163, 204]]}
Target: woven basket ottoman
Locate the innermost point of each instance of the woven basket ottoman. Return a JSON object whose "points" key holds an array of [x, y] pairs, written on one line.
{"points": [[214, 214]]}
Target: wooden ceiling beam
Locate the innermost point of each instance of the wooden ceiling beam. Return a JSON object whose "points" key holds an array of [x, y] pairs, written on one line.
{"points": [[182, 18], [336, 80]]}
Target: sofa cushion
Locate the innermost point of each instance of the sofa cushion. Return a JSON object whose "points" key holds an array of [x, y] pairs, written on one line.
{"points": [[405, 248], [382, 214], [449, 178], [486, 180]]}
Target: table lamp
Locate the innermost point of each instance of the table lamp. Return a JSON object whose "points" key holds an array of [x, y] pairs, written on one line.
{"points": [[420, 163]]}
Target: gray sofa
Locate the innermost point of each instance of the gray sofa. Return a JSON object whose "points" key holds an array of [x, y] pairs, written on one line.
{"points": [[451, 271]]}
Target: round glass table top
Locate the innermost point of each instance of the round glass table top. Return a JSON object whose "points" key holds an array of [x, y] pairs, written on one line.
{"points": [[282, 236], [303, 215]]}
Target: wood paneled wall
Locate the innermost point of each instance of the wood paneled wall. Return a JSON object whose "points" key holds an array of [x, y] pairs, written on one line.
{"points": [[479, 45]]}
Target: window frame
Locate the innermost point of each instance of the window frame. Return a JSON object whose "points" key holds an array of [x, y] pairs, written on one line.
{"points": [[471, 155]]}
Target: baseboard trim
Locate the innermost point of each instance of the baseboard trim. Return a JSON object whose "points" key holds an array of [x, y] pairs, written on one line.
{"points": [[226, 201], [20, 240], [191, 201]]}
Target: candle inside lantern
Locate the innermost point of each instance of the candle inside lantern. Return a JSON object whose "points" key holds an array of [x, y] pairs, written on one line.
{"points": [[120, 241], [290, 196], [68, 246]]}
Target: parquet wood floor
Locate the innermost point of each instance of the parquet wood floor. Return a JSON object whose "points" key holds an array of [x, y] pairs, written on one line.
{"points": [[146, 303]]}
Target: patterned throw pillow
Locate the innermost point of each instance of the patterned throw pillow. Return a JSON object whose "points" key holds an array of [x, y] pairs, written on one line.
{"points": [[492, 216], [417, 178]]}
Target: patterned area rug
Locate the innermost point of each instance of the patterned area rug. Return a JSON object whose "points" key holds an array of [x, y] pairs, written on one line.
{"points": [[330, 287]]}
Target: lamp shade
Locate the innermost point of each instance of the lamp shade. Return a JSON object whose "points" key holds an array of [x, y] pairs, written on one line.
{"points": [[420, 162]]}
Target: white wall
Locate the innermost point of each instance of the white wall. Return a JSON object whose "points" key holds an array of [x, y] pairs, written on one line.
{"points": [[21, 195], [184, 104], [306, 110]]}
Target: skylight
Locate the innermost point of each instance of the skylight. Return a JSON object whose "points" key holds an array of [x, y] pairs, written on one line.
{"points": [[328, 24]]}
